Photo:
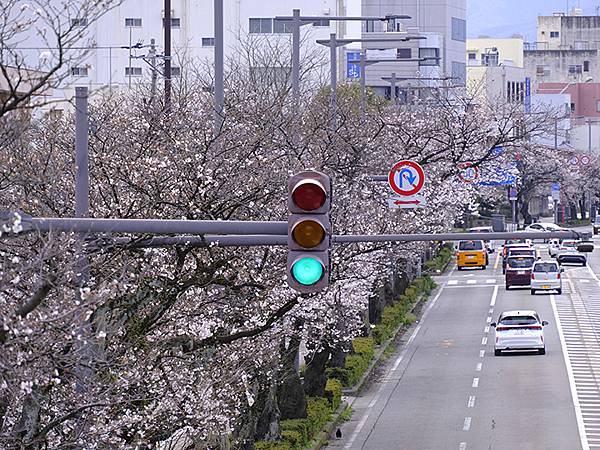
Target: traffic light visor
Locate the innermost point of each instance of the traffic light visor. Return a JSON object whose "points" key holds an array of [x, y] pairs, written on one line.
{"points": [[309, 195], [307, 271], [308, 233]]}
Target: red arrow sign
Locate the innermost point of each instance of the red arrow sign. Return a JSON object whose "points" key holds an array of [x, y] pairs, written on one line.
{"points": [[410, 202]]}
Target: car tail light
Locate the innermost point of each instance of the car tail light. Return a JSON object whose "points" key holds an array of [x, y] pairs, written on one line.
{"points": [[558, 276], [532, 276], [457, 253], [501, 328], [535, 327]]}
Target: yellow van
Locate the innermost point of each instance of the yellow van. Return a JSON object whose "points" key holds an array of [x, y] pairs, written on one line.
{"points": [[471, 254]]}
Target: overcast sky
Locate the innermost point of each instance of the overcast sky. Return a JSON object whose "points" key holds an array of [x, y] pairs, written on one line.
{"points": [[503, 18]]}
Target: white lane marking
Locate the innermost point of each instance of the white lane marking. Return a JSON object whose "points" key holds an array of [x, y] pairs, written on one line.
{"points": [[491, 310], [494, 296], [462, 446], [490, 281], [453, 282], [362, 422], [584, 280], [484, 341], [471, 402], [467, 424], [486, 329], [471, 281], [481, 353], [594, 276], [563, 344], [475, 382], [489, 319], [478, 367]]}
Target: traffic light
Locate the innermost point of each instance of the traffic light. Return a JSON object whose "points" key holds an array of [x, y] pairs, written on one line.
{"points": [[309, 231]]}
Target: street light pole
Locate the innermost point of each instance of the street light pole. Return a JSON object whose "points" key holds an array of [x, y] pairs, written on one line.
{"points": [[167, 58], [333, 45], [219, 95], [296, 23]]}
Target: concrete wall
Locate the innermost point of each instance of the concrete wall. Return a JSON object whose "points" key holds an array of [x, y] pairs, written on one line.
{"points": [[557, 63], [496, 83], [508, 49], [575, 32]]}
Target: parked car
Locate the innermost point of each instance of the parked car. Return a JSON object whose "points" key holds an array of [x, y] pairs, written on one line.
{"points": [[518, 270], [488, 244], [516, 250], [544, 227], [519, 330], [471, 254], [595, 226], [567, 253], [546, 276]]}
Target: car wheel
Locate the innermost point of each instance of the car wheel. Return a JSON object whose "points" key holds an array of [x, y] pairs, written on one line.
{"points": [[506, 286], [459, 268], [542, 351], [533, 292], [497, 352], [559, 291]]}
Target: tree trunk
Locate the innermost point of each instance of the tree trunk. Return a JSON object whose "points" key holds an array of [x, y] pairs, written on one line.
{"points": [[291, 399], [314, 377], [525, 211], [582, 207]]}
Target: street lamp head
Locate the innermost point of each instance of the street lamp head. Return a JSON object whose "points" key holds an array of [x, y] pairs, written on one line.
{"points": [[395, 16]]}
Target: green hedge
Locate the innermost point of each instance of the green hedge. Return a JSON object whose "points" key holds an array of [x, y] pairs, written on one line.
{"points": [[333, 393], [296, 434], [439, 262]]}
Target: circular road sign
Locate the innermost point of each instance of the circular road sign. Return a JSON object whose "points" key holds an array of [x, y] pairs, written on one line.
{"points": [[584, 160], [468, 173], [574, 160], [406, 178]]}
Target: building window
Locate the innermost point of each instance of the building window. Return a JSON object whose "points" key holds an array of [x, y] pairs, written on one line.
{"points": [[370, 26], [133, 22], [264, 26], [459, 72], [208, 42], [321, 23], [403, 53], [586, 66], [79, 22], [542, 71], [175, 71], [581, 45], [572, 107], [459, 29], [554, 34], [432, 53], [175, 22], [472, 56], [282, 26], [133, 71], [575, 69], [79, 71]]}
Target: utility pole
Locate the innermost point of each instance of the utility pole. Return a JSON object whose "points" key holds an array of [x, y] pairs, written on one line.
{"points": [[167, 25], [154, 71], [219, 95], [296, 23], [333, 74], [82, 182]]}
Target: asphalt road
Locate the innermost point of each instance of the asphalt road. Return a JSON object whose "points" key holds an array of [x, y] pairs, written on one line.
{"points": [[445, 389]]}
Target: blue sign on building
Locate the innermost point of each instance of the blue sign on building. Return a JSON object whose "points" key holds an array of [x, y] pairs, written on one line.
{"points": [[527, 95], [353, 65]]}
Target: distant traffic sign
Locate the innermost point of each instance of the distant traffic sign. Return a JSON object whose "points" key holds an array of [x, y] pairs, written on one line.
{"points": [[574, 160], [469, 173], [406, 178], [513, 194], [584, 160]]}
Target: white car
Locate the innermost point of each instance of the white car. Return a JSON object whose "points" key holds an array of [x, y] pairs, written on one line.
{"points": [[567, 253], [553, 247], [519, 330], [545, 276], [544, 227]]}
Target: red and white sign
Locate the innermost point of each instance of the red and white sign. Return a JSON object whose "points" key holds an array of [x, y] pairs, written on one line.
{"points": [[416, 201], [406, 178], [468, 173], [584, 160]]}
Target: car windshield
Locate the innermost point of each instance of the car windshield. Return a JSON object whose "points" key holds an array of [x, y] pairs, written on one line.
{"points": [[518, 320], [568, 244], [514, 241], [520, 263], [470, 245], [520, 251], [545, 267]]}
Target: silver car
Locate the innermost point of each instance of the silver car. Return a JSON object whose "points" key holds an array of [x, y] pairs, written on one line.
{"points": [[546, 276], [519, 330], [567, 253]]}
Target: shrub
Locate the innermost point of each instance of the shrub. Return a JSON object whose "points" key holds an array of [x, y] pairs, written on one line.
{"points": [[364, 346], [333, 392], [299, 426], [294, 439], [272, 445], [318, 412]]}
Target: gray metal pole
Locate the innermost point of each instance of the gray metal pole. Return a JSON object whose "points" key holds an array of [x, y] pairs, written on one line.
{"points": [[363, 85], [556, 211], [167, 25], [589, 137], [556, 134], [219, 66], [514, 211], [154, 71], [333, 75], [296, 74], [393, 88], [82, 182]]}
